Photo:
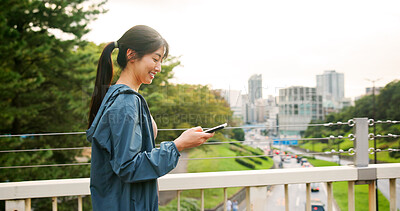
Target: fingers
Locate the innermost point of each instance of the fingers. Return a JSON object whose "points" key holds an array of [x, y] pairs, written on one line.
{"points": [[204, 135], [198, 129], [208, 135]]}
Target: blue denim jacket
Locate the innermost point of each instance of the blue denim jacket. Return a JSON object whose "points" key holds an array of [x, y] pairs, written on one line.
{"points": [[125, 164]]}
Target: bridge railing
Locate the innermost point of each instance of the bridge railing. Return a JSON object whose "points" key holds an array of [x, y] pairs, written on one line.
{"points": [[18, 195]]}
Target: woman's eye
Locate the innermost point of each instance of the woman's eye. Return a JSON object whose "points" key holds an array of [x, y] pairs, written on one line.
{"points": [[155, 60]]}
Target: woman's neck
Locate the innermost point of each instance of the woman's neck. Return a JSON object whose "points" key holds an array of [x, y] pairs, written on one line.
{"points": [[127, 79]]}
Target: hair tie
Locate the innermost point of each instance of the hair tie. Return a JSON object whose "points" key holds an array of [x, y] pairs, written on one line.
{"points": [[115, 44]]}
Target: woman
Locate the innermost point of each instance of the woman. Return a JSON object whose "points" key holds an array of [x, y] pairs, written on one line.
{"points": [[125, 164]]}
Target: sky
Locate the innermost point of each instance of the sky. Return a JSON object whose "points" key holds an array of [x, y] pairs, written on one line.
{"points": [[222, 43]]}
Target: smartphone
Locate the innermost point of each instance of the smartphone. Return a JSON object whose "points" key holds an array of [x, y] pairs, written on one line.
{"points": [[219, 127]]}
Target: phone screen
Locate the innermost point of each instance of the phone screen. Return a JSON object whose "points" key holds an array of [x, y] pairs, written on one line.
{"points": [[219, 127]]}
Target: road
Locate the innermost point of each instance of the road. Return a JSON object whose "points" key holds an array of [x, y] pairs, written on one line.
{"points": [[383, 184], [276, 195], [297, 192]]}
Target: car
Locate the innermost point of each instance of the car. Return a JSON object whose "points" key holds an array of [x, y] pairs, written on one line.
{"points": [[317, 205], [306, 165], [314, 187], [303, 160], [299, 159]]}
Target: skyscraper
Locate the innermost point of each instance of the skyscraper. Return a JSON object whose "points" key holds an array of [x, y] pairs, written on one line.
{"points": [[330, 85], [255, 88]]}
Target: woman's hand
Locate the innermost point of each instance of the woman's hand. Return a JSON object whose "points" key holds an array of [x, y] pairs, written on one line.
{"points": [[192, 138]]}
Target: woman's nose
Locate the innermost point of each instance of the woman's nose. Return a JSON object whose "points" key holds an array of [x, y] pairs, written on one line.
{"points": [[158, 67]]}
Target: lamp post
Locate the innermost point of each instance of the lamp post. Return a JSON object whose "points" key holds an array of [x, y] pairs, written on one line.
{"points": [[373, 117]]}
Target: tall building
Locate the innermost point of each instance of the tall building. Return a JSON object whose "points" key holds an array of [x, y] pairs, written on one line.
{"points": [[234, 98], [370, 90], [255, 88], [298, 106], [330, 85], [272, 111], [253, 107]]}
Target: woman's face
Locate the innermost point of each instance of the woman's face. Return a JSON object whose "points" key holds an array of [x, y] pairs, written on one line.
{"points": [[146, 68]]}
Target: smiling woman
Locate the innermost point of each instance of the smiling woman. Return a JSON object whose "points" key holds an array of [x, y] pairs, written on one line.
{"points": [[125, 164]]}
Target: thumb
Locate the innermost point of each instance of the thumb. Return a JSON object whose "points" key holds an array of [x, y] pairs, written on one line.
{"points": [[198, 129]]}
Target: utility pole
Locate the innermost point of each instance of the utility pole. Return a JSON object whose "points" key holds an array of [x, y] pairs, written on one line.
{"points": [[373, 117]]}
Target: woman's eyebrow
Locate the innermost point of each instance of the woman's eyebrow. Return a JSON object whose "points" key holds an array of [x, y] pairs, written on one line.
{"points": [[158, 55]]}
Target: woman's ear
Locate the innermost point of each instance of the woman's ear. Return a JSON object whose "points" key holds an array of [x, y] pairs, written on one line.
{"points": [[130, 55]]}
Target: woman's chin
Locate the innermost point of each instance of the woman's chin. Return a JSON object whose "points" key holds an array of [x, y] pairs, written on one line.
{"points": [[148, 82]]}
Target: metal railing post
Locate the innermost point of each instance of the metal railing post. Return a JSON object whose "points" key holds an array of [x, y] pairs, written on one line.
{"points": [[12, 205], [286, 187], [248, 204], [80, 205], [179, 200], [329, 189], [308, 197], [202, 199], [225, 199], [350, 195], [54, 203], [28, 204], [392, 184], [372, 196], [361, 142]]}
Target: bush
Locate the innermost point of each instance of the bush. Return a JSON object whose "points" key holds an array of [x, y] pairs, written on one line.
{"points": [[187, 204], [255, 161], [245, 163], [394, 154]]}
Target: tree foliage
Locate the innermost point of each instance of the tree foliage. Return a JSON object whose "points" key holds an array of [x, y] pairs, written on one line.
{"points": [[43, 80], [43, 84], [47, 75], [386, 108], [185, 106], [238, 134]]}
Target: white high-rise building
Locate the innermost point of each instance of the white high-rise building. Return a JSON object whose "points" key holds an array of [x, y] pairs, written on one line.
{"points": [[330, 85], [234, 99], [253, 105], [255, 88], [298, 106]]}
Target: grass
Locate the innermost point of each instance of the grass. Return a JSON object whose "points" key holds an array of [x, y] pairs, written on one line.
{"points": [[340, 190], [213, 197], [347, 144], [321, 163], [213, 165]]}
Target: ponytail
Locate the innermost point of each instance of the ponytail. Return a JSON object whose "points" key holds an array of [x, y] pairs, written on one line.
{"points": [[143, 40], [103, 80]]}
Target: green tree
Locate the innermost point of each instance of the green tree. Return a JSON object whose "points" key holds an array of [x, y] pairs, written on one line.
{"points": [[238, 134], [387, 108], [185, 106], [43, 84]]}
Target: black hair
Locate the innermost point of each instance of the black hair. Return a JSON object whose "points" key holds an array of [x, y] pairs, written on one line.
{"points": [[143, 40]]}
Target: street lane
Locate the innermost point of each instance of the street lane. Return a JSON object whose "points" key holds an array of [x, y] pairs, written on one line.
{"points": [[297, 192], [383, 184]]}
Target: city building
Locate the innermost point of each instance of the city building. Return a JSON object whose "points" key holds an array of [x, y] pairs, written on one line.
{"points": [[255, 88], [298, 106], [330, 85], [234, 99], [260, 114], [370, 90], [253, 108], [272, 111]]}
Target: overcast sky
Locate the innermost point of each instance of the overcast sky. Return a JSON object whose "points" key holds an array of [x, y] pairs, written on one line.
{"points": [[223, 42]]}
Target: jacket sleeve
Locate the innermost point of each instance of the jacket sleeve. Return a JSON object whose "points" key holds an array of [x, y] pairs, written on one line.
{"points": [[127, 159]]}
